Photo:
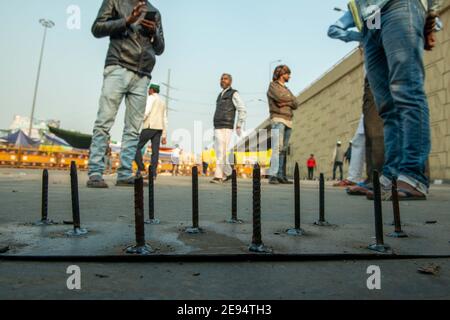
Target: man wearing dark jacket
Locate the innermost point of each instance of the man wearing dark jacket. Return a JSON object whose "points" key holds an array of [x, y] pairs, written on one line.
{"points": [[282, 104], [136, 37], [228, 103]]}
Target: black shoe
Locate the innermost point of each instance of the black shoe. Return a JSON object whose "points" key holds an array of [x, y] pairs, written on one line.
{"points": [[274, 180], [97, 182], [229, 178], [216, 181], [285, 181]]}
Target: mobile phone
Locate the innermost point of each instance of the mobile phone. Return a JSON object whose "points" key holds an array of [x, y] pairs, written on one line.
{"points": [[151, 15]]}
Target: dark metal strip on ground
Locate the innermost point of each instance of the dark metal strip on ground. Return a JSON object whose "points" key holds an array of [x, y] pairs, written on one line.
{"points": [[221, 258]]}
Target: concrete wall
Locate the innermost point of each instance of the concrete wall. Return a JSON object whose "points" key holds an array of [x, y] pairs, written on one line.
{"points": [[331, 108]]}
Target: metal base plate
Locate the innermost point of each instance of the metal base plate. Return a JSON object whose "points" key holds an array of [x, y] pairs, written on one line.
{"points": [[260, 248], [295, 232], [44, 223], [322, 224], [399, 235], [193, 230], [153, 221], [78, 232], [235, 221], [382, 248], [142, 251]]}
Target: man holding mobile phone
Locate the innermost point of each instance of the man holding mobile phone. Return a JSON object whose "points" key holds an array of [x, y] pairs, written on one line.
{"points": [[136, 37]]}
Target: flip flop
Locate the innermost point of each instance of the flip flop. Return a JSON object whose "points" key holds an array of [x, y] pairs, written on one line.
{"points": [[409, 196], [357, 191]]}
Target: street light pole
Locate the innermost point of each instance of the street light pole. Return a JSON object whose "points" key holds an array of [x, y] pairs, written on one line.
{"points": [[270, 67], [47, 24]]}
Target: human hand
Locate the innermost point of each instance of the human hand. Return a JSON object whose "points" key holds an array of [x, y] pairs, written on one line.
{"points": [[136, 13], [430, 31], [149, 25]]}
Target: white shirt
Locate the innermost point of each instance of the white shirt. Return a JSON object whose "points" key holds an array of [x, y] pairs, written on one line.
{"points": [[361, 126], [156, 115], [176, 153]]}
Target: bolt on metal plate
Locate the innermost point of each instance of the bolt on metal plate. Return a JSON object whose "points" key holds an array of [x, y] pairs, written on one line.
{"points": [[260, 248], [295, 232], [46, 222], [235, 221], [194, 230], [140, 250], [381, 248], [77, 232], [152, 221]]}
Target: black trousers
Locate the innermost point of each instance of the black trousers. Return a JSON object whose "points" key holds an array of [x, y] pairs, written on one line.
{"points": [[310, 173], [340, 165], [145, 137], [205, 168]]}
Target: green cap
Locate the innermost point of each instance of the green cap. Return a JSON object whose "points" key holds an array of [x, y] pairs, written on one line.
{"points": [[155, 87]]}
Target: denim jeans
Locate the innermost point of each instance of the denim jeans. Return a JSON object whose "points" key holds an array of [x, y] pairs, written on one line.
{"points": [[394, 62], [281, 134], [119, 83]]}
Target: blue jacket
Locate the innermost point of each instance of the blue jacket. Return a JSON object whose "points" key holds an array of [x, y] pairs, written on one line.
{"points": [[341, 29]]}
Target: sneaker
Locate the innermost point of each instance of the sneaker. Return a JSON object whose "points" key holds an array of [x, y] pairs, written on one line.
{"points": [[358, 190], [216, 181], [128, 183], [274, 180], [97, 182], [344, 183], [143, 175], [284, 181]]}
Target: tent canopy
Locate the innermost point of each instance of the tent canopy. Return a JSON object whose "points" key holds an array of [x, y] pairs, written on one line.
{"points": [[21, 139], [75, 139], [54, 140]]}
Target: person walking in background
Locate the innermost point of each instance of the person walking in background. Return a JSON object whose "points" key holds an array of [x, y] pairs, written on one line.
{"points": [[355, 155], [338, 161], [348, 153], [312, 165], [282, 104], [394, 61], [176, 158], [228, 104], [134, 43], [206, 159], [154, 129]]}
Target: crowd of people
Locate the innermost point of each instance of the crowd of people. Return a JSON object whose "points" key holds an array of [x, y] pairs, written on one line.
{"points": [[393, 135]]}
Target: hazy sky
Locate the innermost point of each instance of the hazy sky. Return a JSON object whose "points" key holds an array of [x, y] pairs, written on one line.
{"points": [[204, 38]]}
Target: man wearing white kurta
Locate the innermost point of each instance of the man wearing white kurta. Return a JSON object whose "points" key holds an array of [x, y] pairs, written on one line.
{"points": [[228, 103], [154, 129]]}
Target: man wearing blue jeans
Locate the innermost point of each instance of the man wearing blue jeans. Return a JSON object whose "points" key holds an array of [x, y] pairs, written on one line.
{"points": [[136, 37], [394, 61]]}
